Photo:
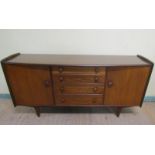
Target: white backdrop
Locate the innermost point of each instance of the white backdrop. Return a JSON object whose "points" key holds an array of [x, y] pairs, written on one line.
{"points": [[117, 42]]}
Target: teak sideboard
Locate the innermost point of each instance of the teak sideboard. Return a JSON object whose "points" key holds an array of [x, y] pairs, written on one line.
{"points": [[42, 80]]}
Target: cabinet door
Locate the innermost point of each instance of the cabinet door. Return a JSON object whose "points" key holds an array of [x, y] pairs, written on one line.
{"points": [[31, 85], [125, 86]]}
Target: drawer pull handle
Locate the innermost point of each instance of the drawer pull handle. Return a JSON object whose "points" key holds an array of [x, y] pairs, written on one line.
{"points": [[62, 89], [110, 84], [62, 100], [46, 83], [96, 70], [61, 69], [61, 78], [95, 89], [96, 79]]}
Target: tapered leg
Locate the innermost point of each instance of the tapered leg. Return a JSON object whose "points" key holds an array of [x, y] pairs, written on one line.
{"points": [[37, 109], [118, 111]]}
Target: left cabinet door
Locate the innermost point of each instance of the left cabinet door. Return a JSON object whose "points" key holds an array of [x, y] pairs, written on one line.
{"points": [[30, 85]]}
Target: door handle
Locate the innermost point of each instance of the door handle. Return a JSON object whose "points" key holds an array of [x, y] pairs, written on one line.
{"points": [[95, 89], [47, 83], [110, 84], [62, 89], [61, 78], [96, 79], [61, 69]]}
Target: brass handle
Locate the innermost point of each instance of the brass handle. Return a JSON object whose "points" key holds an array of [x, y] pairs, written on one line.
{"points": [[96, 79], [110, 84], [46, 83], [61, 69], [62, 100], [95, 89], [62, 89], [96, 69], [61, 78]]}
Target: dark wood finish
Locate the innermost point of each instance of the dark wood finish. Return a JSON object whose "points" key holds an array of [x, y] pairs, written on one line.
{"points": [[118, 111], [78, 79], [145, 59], [10, 57], [146, 85], [31, 85], [72, 80], [79, 100], [79, 89], [149, 76], [125, 85], [37, 109], [78, 60], [73, 85], [3, 62], [79, 70], [52, 81]]}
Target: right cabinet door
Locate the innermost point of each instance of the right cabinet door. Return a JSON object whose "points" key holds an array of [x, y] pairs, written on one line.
{"points": [[125, 85]]}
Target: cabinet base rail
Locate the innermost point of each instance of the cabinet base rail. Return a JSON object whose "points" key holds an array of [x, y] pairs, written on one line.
{"points": [[117, 110]]}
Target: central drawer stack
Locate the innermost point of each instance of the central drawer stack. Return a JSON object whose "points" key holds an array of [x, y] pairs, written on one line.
{"points": [[78, 85]]}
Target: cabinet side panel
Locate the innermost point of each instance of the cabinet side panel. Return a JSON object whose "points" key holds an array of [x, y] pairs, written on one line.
{"points": [[31, 85], [128, 85]]}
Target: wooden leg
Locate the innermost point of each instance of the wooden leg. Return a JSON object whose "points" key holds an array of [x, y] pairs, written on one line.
{"points": [[118, 111], [37, 109]]}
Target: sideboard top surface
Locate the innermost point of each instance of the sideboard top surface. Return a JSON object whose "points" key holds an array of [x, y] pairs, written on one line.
{"points": [[78, 60]]}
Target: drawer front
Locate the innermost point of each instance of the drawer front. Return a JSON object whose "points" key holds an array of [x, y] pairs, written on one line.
{"points": [[79, 100], [78, 85], [78, 70], [78, 79], [79, 89]]}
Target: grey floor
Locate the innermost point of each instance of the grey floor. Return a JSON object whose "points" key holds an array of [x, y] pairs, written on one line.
{"points": [[26, 116]]}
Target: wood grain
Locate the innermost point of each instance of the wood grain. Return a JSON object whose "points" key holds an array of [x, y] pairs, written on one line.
{"points": [[31, 85], [78, 60], [77, 80], [128, 84], [79, 89], [79, 70], [78, 100]]}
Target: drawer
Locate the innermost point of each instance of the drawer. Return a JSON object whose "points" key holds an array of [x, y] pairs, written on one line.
{"points": [[79, 100], [79, 89], [78, 79], [78, 70]]}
